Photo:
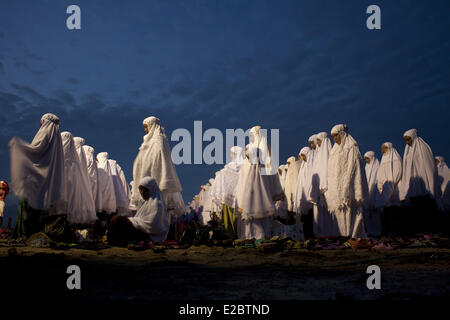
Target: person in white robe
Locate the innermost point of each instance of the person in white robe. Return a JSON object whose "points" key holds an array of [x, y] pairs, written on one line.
{"points": [[122, 202], [347, 184], [322, 219], [443, 171], [154, 159], [105, 183], [388, 179], [80, 204], [37, 168], [151, 221], [372, 215], [301, 204], [313, 143], [93, 176], [281, 205], [290, 184]]}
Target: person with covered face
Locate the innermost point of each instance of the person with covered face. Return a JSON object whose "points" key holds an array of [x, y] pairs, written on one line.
{"points": [[388, 179], [372, 215], [80, 204], [322, 220], [420, 183], [154, 159], [151, 221], [347, 184], [37, 177]]}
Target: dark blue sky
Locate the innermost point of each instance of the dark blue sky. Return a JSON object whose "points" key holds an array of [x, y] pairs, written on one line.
{"points": [[300, 66]]}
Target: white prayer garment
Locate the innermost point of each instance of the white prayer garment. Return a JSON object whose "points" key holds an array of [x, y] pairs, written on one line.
{"points": [[290, 184], [152, 217], [258, 207], [37, 168], [282, 174], [154, 159], [122, 202], [371, 176], [93, 176], [347, 185], [443, 171], [301, 203], [313, 142], [80, 204], [123, 179], [389, 177], [79, 144], [105, 183], [420, 175]]}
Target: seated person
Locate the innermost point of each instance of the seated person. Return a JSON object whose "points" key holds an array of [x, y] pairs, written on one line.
{"points": [[151, 221]]}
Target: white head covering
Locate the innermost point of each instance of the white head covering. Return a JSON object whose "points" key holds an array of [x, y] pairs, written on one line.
{"points": [[80, 203], [105, 183], [388, 177], [290, 184], [122, 202], [152, 217], [301, 203], [37, 168], [371, 176], [319, 179], [419, 169], [93, 176], [347, 184]]}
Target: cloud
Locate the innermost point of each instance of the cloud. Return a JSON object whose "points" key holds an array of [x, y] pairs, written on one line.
{"points": [[73, 80]]}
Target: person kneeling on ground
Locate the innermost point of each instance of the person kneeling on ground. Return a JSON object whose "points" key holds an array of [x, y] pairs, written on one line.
{"points": [[151, 221]]}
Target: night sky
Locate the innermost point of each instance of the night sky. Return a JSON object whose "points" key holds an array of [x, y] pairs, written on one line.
{"points": [[300, 66]]}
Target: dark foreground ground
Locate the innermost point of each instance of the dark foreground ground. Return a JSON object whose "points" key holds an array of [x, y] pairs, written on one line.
{"points": [[224, 273]]}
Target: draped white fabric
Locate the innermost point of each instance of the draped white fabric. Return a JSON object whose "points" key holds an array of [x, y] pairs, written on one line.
{"points": [[290, 184], [105, 183], [37, 168], [125, 184], [122, 202], [301, 203], [154, 159], [388, 177], [319, 180], [152, 217], [93, 176], [443, 171], [419, 169], [371, 176], [80, 203], [347, 185]]}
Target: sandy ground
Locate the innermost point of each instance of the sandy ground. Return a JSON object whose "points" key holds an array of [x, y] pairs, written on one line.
{"points": [[225, 273]]}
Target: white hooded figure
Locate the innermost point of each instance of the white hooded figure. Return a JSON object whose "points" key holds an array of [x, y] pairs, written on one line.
{"points": [[282, 174], [372, 215], [37, 168], [443, 171], [290, 184], [151, 216], [301, 203], [79, 143], [105, 183], [347, 184], [80, 204], [206, 203], [281, 205], [154, 159], [388, 177], [123, 179], [420, 177], [258, 207], [313, 143], [122, 202], [322, 219], [93, 177]]}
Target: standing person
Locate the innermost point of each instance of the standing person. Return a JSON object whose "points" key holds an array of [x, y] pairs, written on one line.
{"points": [[302, 207], [151, 221], [347, 185], [80, 204], [372, 215], [290, 184], [154, 159], [443, 171], [122, 202], [4, 190], [323, 220], [37, 177], [313, 143], [93, 177], [388, 179], [420, 184]]}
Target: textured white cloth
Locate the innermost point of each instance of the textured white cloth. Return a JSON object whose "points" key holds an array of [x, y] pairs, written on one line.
{"points": [[319, 183], [154, 159], [93, 176], [152, 217], [80, 204], [37, 168], [371, 176], [347, 185], [443, 171], [388, 177], [419, 170], [290, 184], [301, 203], [122, 202], [105, 183]]}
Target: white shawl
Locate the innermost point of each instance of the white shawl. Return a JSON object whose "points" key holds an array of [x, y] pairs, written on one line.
{"points": [[37, 168], [371, 176], [93, 176], [152, 217], [290, 184], [443, 171], [80, 204], [388, 177], [105, 183], [301, 201], [122, 202], [319, 179]]}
